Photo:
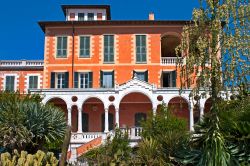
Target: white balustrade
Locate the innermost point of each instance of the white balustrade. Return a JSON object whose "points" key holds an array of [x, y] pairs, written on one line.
{"points": [[85, 137], [168, 61], [21, 63]]}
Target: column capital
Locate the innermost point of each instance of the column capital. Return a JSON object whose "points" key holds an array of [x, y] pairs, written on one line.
{"points": [[116, 109], [106, 109]]}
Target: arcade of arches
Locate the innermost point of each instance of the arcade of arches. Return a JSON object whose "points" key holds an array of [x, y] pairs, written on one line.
{"points": [[133, 108]]}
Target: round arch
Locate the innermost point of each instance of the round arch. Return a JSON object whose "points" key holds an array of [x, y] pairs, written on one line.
{"points": [[169, 42], [134, 107], [180, 107], [136, 91], [92, 111]]}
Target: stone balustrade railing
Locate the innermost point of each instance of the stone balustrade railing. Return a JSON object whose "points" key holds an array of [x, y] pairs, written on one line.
{"points": [[168, 61], [20, 63]]}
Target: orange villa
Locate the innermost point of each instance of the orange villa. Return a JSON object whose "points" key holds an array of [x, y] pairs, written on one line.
{"points": [[105, 73]]}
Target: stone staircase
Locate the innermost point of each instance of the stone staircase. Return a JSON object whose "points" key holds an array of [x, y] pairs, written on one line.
{"points": [[74, 153]]}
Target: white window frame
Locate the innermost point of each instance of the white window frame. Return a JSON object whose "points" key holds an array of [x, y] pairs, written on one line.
{"points": [[136, 48], [15, 81], [38, 81], [56, 80], [114, 49], [79, 80], [67, 52], [90, 47]]}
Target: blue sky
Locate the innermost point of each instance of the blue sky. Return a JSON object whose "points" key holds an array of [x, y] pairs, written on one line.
{"points": [[22, 38]]}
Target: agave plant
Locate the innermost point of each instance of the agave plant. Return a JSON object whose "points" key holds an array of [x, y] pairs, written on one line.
{"points": [[26, 124]]}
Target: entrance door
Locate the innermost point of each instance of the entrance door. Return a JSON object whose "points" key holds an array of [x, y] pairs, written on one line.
{"points": [[111, 121]]}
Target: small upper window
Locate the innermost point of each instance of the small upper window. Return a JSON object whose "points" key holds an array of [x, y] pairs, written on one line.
{"points": [[90, 16], [141, 75], [33, 82], [81, 16], [10, 83], [61, 47]]}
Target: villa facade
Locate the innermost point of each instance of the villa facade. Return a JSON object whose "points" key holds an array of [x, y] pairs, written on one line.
{"points": [[105, 73]]}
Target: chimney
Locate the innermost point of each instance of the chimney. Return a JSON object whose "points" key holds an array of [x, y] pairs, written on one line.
{"points": [[151, 16]]}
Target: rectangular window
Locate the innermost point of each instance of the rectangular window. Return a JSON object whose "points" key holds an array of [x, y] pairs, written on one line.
{"points": [[61, 47], [33, 82], [107, 79], [141, 51], [84, 47], [60, 80], [90, 16], [83, 80], [141, 75], [10, 83], [169, 79], [81, 16], [108, 48]]}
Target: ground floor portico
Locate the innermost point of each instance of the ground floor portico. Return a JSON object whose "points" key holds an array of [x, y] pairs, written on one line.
{"points": [[94, 112]]}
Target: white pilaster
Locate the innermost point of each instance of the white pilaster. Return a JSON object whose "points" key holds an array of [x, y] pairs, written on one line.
{"points": [[106, 130], [117, 117], [69, 116], [79, 120], [191, 117]]}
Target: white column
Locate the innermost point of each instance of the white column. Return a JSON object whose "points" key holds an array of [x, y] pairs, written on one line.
{"points": [[106, 130], [154, 110], [117, 117], [79, 120], [201, 112], [191, 117], [69, 116]]}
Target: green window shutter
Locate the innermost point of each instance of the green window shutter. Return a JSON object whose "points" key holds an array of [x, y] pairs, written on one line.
{"points": [[66, 83], [52, 79], [90, 79], [113, 79], [141, 51], [134, 72], [76, 80], [146, 76], [85, 46], [173, 78], [101, 79], [108, 48]]}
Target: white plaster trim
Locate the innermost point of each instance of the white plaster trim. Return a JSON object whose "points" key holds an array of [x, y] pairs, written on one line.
{"points": [[16, 81]]}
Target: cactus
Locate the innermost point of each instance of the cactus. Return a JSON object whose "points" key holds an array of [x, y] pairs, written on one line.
{"points": [[25, 159]]}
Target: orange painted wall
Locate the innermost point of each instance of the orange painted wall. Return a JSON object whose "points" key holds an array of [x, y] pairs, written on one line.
{"points": [[21, 79], [124, 52]]}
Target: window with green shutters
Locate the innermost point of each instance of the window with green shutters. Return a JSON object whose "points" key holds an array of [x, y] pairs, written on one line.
{"points": [[141, 50], [83, 80], [107, 79], [84, 46], [10, 83], [59, 80], [33, 82], [61, 51], [108, 48]]}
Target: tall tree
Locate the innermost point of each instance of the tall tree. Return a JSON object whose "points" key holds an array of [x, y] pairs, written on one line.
{"points": [[215, 48]]}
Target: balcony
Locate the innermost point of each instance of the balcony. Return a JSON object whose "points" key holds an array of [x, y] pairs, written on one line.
{"points": [[168, 61]]}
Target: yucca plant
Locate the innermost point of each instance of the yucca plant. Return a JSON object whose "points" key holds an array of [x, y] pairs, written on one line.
{"points": [[27, 124]]}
